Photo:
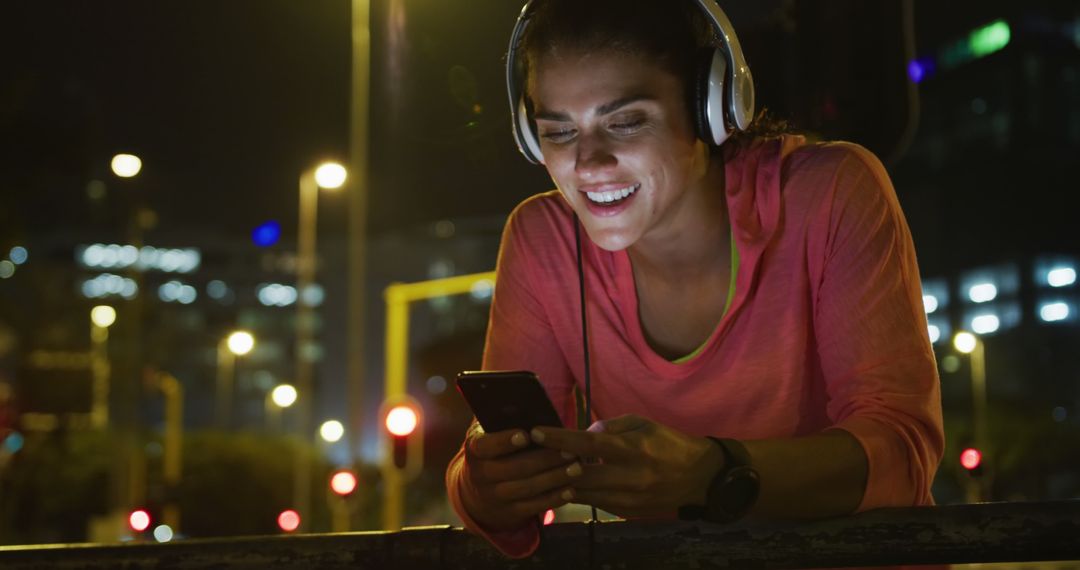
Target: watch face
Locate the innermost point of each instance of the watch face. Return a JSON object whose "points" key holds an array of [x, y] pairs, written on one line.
{"points": [[734, 494]]}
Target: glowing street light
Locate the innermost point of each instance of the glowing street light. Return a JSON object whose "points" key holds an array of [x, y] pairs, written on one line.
{"points": [[328, 175], [126, 165], [973, 346], [331, 431], [240, 343], [237, 344], [284, 395], [103, 316]]}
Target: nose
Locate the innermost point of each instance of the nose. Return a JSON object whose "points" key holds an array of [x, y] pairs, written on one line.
{"points": [[594, 157]]}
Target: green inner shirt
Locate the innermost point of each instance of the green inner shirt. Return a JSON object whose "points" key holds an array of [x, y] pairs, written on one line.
{"points": [[727, 304]]}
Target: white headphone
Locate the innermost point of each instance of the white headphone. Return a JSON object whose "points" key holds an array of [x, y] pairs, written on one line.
{"points": [[724, 90]]}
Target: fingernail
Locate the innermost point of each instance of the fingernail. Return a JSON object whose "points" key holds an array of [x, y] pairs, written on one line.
{"points": [[567, 495], [597, 426], [519, 440], [574, 470], [567, 455], [537, 436]]}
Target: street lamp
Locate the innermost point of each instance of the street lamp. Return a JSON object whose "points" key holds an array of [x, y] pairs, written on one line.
{"points": [[126, 165], [331, 431], [281, 397], [971, 345], [238, 343], [331, 176], [101, 318]]}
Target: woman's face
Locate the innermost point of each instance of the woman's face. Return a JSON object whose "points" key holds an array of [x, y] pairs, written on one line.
{"points": [[618, 142]]}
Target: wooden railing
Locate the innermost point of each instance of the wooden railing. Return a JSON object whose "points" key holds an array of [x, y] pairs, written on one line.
{"points": [[993, 532]]}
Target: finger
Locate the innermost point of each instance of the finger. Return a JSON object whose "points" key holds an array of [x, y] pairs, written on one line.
{"points": [[497, 444], [622, 424], [517, 466], [542, 483], [582, 443], [540, 504]]}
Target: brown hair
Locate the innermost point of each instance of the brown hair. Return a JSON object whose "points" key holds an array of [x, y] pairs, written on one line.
{"points": [[669, 33]]}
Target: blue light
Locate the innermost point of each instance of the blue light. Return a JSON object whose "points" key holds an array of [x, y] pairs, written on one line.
{"points": [[920, 69], [266, 234], [18, 255], [13, 442]]}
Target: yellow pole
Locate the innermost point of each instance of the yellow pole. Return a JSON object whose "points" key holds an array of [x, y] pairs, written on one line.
{"points": [[305, 277], [398, 296], [979, 406], [100, 370], [174, 440]]}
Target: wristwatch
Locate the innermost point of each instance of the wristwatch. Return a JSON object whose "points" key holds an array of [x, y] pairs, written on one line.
{"points": [[732, 491]]}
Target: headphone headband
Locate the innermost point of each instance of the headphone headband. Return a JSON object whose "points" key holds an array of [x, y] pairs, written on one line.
{"points": [[727, 93]]}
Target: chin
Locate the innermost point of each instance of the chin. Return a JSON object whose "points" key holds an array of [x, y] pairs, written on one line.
{"points": [[610, 239]]}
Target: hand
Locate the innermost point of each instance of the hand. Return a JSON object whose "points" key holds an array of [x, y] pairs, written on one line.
{"points": [[507, 484], [645, 468]]}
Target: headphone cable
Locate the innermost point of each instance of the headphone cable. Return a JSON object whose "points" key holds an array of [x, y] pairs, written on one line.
{"points": [[588, 376]]}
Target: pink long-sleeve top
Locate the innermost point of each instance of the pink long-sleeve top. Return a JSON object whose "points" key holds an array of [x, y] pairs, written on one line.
{"points": [[826, 329]]}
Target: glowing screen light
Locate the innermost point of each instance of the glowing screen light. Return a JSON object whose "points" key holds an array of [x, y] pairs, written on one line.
{"points": [[288, 520], [401, 421], [266, 234]]}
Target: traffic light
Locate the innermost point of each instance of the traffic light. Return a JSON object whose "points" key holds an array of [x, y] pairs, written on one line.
{"points": [[971, 460], [403, 421], [139, 520], [343, 482], [288, 520]]}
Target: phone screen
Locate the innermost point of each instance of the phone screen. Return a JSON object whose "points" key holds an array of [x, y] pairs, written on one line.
{"points": [[505, 400]]}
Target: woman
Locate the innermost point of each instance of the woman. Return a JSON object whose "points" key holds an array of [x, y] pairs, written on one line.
{"points": [[756, 335]]}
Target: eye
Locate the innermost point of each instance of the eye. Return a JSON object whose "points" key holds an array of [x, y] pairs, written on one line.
{"points": [[627, 126], [557, 136]]}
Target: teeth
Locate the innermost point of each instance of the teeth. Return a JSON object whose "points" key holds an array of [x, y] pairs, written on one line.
{"points": [[611, 195]]}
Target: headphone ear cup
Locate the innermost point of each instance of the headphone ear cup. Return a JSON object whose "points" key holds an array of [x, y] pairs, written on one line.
{"points": [[716, 89], [528, 140], [699, 91]]}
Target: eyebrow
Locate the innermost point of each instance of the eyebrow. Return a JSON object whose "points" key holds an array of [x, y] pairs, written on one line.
{"points": [[604, 109]]}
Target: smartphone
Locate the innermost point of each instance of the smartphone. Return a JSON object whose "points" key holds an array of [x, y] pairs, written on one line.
{"points": [[512, 399]]}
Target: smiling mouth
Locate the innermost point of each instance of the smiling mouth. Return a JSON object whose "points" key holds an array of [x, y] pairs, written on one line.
{"points": [[612, 196]]}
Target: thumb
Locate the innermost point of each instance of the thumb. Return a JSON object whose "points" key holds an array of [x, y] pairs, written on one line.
{"points": [[620, 424]]}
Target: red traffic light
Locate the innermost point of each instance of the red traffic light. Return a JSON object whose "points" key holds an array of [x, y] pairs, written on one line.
{"points": [[971, 458], [343, 482], [139, 520], [401, 420], [288, 520]]}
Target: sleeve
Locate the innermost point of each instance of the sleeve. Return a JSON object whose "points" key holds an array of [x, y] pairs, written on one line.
{"points": [[519, 336], [875, 352]]}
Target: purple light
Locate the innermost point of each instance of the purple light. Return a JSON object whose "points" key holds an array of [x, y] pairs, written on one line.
{"points": [[920, 69], [915, 71]]}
